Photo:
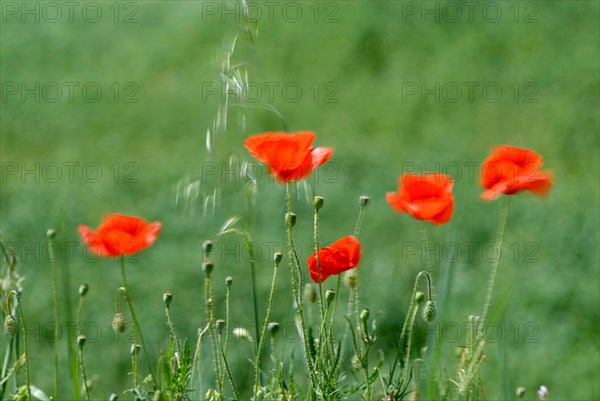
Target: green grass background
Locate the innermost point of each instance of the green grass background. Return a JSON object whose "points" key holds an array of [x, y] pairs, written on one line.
{"points": [[368, 53]]}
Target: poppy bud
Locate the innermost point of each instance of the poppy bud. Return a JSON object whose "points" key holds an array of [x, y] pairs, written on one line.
{"points": [[83, 289], [207, 267], [419, 297], [290, 219], [329, 296], [310, 293], [355, 361], [429, 311], [364, 315], [228, 281], [81, 341], [113, 397], [51, 233], [119, 322], [273, 328], [220, 325], [364, 200], [11, 326], [241, 333], [135, 349], [167, 298], [207, 247], [318, 202], [351, 278], [277, 256]]}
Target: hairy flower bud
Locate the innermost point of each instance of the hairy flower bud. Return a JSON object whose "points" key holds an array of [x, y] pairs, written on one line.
{"points": [[11, 326], [207, 267], [429, 311], [318, 202], [310, 293], [290, 219], [273, 328], [207, 247], [329, 295], [351, 278], [167, 298], [277, 257], [119, 322], [419, 297], [83, 289]]}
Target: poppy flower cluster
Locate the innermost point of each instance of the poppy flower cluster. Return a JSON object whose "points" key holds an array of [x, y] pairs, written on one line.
{"points": [[291, 157]]}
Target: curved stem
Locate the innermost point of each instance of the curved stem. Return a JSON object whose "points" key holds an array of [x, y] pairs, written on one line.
{"points": [[85, 382], [138, 332]]}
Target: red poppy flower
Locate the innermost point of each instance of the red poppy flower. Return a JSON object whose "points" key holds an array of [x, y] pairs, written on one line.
{"points": [[289, 157], [342, 255], [428, 197], [120, 235], [509, 170]]}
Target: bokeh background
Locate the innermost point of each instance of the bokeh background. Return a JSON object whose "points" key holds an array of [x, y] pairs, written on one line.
{"points": [[394, 87]]}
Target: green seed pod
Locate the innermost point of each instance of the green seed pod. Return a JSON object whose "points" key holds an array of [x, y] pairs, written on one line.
{"points": [[81, 341], [277, 257], [220, 325], [290, 218], [429, 311], [419, 297], [207, 247], [351, 278], [207, 267], [273, 328], [11, 326], [310, 293], [135, 349], [364, 315], [51, 233], [318, 202], [83, 289], [167, 298], [119, 322], [228, 281], [364, 200], [329, 295]]}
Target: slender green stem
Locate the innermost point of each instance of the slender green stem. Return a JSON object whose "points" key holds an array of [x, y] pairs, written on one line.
{"points": [[172, 330], [137, 330], [210, 316], [85, 382], [134, 367], [318, 257], [263, 332], [498, 245], [80, 362], [52, 255], [408, 342], [229, 375], [254, 298], [296, 274]]}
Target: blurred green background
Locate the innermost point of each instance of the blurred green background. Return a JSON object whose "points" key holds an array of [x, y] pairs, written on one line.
{"points": [[378, 83]]}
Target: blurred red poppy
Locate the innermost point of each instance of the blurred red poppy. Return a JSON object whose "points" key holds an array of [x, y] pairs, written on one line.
{"points": [[289, 157], [342, 255], [508, 170], [120, 235], [427, 197]]}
